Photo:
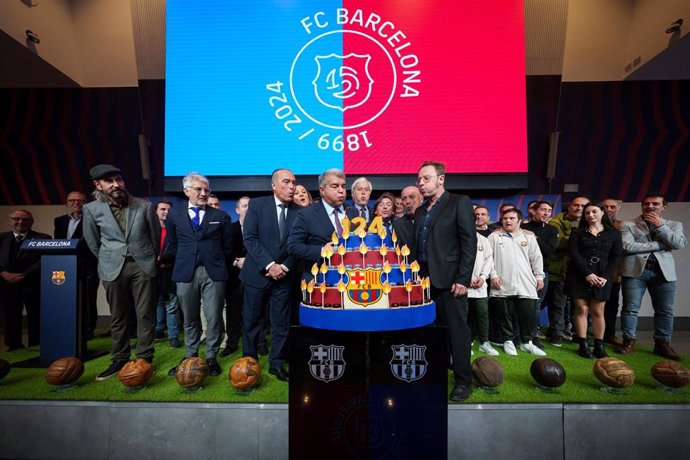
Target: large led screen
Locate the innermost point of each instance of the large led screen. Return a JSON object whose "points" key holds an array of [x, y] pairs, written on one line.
{"points": [[371, 87]]}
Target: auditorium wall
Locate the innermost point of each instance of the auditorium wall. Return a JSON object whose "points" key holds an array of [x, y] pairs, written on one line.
{"points": [[617, 138]]}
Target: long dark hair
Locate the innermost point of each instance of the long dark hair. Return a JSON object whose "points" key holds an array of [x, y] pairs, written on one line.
{"points": [[605, 221]]}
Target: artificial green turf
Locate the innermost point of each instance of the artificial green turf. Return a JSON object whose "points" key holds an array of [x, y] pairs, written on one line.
{"points": [[581, 385]]}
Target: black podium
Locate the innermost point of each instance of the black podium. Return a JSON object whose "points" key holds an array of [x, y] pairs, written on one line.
{"points": [[368, 395], [62, 298]]}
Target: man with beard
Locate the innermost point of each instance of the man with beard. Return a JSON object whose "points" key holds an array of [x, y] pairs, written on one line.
{"points": [[648, 266], [556, 299], [123, 232]]}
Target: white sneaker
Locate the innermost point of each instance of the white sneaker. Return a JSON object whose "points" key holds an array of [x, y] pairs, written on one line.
{"points": [[488, 349], [529, 347], [509, 348]]}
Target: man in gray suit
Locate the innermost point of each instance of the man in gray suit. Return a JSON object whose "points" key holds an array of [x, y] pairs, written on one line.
{"points": [[123, 232], [648, 265]]}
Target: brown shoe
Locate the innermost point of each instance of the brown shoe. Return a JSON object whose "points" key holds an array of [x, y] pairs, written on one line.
{"points": [[613, 340], [627, 347], [664, 349]]}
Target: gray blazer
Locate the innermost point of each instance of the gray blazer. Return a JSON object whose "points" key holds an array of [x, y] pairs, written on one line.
{"points": [[110, 246], [638, 244]]}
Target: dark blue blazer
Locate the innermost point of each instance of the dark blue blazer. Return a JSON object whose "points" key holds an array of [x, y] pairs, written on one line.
{"points": [[311, 231], [209, 246], [262, 240]]}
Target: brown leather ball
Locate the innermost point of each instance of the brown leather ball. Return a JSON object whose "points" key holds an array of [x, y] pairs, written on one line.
{"points": [[671, 374], [547, 372], [64, 371], [614, 372], [191, 372], [5, 367], [135, 373], [244, 373], [487, 372]]}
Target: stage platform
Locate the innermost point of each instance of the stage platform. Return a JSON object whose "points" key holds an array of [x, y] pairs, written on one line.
{"points": [[102, 430]]}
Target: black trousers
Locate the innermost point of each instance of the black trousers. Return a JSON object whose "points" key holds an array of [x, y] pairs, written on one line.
{"points": [[452, 312]]}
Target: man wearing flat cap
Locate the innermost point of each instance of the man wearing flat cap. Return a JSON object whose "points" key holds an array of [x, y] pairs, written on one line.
{"points": [[123, 232]]}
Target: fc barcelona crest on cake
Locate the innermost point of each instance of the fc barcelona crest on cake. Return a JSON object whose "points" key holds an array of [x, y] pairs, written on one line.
{"points": [[327, 363], [58, 278], [366, 281], [365, 286], [409, 362]]}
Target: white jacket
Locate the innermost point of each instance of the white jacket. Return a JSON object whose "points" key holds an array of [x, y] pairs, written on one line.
{"points": [[518, 262], [483, 265]]}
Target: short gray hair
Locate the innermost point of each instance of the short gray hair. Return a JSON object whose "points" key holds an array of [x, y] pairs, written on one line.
{"points": [[192, 176], [361, 179], [333, 171]]}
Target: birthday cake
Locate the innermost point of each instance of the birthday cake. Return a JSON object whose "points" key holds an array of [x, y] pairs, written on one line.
{"points": [[365, 282]]}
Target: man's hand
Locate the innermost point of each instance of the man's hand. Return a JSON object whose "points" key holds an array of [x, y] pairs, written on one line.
{"points": [[653, 219], [496, 283], [458, 290], [477, 282], [540, 285], [11, 277], [239, 262], [276, 272]]}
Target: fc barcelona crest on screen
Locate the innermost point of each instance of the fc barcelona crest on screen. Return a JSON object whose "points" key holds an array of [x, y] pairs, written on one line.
{"points": [[364, 286], [327, 363], [342, 82], [409, 362], [58, 278]]}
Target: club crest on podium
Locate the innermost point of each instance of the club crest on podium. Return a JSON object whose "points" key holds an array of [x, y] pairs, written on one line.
{"points": [[58, 278], [327, 363], [409, 362]]}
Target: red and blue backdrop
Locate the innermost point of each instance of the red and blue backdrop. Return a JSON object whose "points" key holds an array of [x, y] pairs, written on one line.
{"points": [[367, 87]]}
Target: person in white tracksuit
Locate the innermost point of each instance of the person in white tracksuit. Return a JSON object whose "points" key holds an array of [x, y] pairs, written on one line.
{"points": [[517, 276]]}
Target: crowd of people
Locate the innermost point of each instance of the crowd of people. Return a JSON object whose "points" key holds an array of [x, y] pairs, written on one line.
{"points": [[193, 272]]}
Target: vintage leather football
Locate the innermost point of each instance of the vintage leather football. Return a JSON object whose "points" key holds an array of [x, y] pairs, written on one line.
{"points": [[487, 372], [614, 372], [135, 373], [671, 374], [64, 371], [547, 372]]}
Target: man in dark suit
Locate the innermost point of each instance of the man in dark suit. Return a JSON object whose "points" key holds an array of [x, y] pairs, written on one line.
{"points": [[234, 291], [404, 225], [315, 224], [19, 281], [267, 271], [123, 232], [200, 239], [69, 226], [446, 248], [361, 194]]}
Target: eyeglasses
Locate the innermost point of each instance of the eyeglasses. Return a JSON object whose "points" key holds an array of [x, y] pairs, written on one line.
{"points": [[200, 189], [425, 179], [76, 201], [21, 219]]}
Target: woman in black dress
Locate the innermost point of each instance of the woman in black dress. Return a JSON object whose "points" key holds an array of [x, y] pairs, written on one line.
{"points": [[595, 253]]}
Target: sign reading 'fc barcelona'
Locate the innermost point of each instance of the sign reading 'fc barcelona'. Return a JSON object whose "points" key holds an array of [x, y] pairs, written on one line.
{"points": [[368, 87]]}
